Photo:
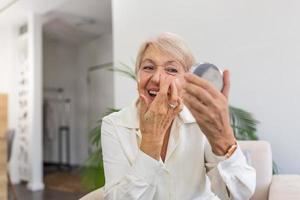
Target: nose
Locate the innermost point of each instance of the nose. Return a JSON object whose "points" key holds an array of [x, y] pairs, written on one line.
{"points": [[156, 76]]}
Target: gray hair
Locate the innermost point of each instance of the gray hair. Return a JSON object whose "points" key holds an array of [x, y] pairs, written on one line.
{"points": [[173, 45]]}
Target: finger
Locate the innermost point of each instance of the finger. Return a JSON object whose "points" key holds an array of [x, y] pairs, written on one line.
{"points": [[162, 96], [143, 104], [164, 85], [172, 113], [174, 94], [194, 104], [179, 107], [198, 92], [139, 87], [193, 111], [141, 90], [201, 118], [191, 78], [226, 81], [204, 116]]}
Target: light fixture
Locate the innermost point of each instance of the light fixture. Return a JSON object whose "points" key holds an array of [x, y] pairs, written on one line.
{"points": [[6, 4]]}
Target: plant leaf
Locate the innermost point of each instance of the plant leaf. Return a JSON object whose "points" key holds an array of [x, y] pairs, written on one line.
{"points": [[124, 70], [243, 123]]}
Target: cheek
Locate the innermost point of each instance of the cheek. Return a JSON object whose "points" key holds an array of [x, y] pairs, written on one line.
{"points": [[142, 80]]}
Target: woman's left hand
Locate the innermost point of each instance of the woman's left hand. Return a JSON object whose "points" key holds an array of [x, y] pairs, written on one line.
{"points": [[210, 109]]}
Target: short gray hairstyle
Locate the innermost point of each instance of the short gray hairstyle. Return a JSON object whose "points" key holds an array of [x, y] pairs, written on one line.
{"points": [[171, 44]]}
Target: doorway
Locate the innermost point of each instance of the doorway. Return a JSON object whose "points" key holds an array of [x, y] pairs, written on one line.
{"points": [[77, 87]]}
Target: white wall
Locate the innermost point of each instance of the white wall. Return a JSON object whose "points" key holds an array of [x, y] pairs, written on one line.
{"points": [[8, 82], [8, 69], [257, 40], [92, 106]]}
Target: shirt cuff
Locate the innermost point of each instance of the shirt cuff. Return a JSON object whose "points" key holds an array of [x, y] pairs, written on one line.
{"points": [[237, 156], [147, 168], [217, 158]]}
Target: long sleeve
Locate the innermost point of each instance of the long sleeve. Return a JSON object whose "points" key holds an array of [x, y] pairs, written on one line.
{"points": [[231, 178], [125, 180]]}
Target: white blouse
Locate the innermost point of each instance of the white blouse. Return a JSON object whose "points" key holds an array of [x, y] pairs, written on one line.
{"points": [[190, 171]]}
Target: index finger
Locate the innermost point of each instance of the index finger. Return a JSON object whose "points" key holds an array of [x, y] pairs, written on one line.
{"points": [[162, 96], [202, 83], [174, 93], [164, 85], [143, 104]]}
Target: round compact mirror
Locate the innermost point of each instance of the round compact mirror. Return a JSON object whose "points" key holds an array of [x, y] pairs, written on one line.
{"points": [[209, 72]]}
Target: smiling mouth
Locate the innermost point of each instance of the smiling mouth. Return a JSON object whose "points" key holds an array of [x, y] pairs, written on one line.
{"points": [[152, 93]]}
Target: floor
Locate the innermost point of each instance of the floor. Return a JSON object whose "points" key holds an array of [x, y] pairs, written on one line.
{"points": [[59, 184], [47, 194]]}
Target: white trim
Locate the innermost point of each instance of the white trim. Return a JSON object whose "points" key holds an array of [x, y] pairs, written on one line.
{"points": [[35, 186]]}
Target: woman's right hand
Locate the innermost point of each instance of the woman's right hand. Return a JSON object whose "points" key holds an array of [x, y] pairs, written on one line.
{"points": [[157, 117]]}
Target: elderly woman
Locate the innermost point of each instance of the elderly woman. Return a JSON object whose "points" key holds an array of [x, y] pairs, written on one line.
{"points": [[176, 141]]}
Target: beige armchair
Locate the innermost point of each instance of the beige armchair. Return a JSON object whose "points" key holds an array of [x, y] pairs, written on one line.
{"points": [[268, 187]]}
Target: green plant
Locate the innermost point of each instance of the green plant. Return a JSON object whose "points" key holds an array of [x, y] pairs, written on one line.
{"points": [[244, 127], [242, 122], [92, 172], [124, 70]]}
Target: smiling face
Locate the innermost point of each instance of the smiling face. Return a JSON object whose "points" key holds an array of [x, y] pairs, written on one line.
{"points": [[154, 66]]}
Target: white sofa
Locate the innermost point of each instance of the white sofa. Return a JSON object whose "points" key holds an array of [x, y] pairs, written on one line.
{"points": [[268, 186]]}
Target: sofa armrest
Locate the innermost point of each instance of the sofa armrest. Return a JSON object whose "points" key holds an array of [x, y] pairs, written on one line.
{"points": [[259, 157], [285, 187], [94, 195]]}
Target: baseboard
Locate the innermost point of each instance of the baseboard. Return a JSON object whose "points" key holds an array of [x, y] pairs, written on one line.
{"points": [[35, 186]]}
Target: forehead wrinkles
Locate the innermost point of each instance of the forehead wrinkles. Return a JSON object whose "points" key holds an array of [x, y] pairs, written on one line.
{"points": [[158, 56], [147, 61]]}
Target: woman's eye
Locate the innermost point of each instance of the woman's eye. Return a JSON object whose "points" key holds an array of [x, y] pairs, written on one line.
{"points": [[148, 67], [172, 70]]}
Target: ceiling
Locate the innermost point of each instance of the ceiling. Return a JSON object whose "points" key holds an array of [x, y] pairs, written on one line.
{"points": [[5, 4], [79, 21], [73, 21], [15, 15]]}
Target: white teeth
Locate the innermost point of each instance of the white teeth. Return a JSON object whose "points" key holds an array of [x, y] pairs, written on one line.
{"points": [[151, 92]]}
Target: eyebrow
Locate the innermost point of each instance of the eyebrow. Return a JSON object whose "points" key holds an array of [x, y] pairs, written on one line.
{"points": [[147, 59], [150, 60]]}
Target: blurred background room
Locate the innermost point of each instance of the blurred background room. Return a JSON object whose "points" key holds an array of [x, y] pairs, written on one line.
{"points": [[64, 64]]}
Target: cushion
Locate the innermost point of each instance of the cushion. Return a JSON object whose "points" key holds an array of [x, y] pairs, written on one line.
{"points": [[285, 187]]}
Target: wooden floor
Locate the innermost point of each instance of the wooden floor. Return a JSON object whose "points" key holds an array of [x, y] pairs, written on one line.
{"points": [[48, 194], [65, 185]]}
